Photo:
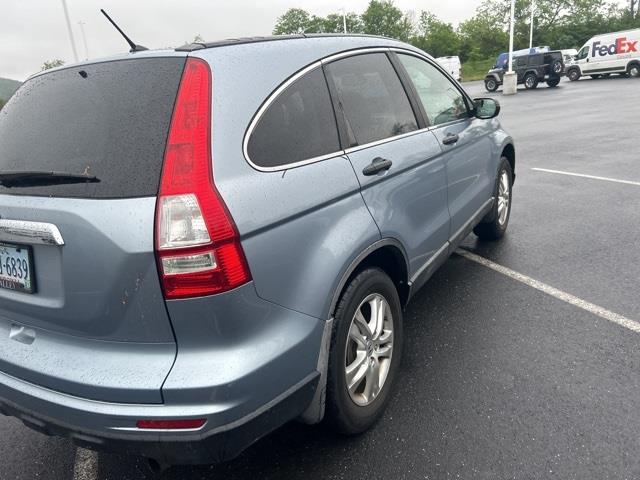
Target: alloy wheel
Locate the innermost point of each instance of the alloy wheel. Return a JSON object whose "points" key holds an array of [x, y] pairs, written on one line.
{"points": [[504, 197], [369, 349]]}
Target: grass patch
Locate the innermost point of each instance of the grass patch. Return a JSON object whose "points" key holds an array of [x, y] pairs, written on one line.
{"points": [[476, 69]]}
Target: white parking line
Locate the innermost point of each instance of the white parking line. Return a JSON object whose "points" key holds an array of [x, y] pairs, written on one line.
{"points": [[554, 292], [85, 465], [593, 177]]}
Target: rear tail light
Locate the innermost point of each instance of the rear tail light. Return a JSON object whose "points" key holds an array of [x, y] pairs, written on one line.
{"points": [[197, 243]]}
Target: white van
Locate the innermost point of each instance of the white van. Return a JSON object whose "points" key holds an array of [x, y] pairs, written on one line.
{"points": [[617, 52], [452, 66], [569, 56]]}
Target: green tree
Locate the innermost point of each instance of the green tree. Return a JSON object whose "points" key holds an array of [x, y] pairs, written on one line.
{"points": [[436, 37], [481, 37], [294, 20], [333, 23], [49, 64], [382, 17], [558, 23], [2, 103]]}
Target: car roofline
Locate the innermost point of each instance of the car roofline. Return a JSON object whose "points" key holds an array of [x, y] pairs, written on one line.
{"points": [[191, 47]]}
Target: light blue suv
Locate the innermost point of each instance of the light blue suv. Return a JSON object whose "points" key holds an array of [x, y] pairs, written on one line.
{"points": [[199, 245]]}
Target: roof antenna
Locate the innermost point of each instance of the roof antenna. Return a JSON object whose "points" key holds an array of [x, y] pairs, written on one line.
{"points": [[134, 47]]}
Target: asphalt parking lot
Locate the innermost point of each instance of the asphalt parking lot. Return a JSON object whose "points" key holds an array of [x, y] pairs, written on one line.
{"points": [[500, 379]]}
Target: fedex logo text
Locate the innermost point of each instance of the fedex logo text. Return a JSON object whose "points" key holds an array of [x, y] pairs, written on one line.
{"points": [[621, 45]]}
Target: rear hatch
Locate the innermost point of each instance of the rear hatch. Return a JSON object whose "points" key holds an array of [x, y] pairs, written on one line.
{"points": [[81, 153]]}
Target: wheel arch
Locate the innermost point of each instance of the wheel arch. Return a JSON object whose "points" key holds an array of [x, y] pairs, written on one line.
{"points": [[509, 152], [387, 254]]}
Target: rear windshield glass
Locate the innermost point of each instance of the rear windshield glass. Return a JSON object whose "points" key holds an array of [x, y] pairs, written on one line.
{"points": [[106, 120]]}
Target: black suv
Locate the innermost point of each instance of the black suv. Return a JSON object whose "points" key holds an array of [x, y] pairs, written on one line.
{"points": [[531, 70]]}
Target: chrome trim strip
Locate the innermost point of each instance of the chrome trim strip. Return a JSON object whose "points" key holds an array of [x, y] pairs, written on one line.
{"points": [[429, 262], [32, 233], [472, 219], [451, 240], [385, 140], [353, 53]]}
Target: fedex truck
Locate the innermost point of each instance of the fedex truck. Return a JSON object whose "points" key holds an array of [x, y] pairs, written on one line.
{"points": [[617, 52]]}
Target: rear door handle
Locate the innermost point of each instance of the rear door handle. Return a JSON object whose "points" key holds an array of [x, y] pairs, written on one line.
{"points": [[450, 139], [377, 165]]}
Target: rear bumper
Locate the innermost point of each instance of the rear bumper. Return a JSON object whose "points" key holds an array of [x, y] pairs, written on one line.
{"points": [[54, 413], [244, 365]]}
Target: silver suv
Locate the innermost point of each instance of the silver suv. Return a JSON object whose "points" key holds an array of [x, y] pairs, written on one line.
{"points": [[199, 245]]}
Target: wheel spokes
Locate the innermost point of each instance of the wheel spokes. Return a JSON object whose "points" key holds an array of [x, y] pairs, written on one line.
{"points": [[356, 335], [362, 323], [357, 371], [372, 385]]}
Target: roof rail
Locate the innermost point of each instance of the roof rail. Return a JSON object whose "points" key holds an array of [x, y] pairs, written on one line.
{"points": [[190, 47]]}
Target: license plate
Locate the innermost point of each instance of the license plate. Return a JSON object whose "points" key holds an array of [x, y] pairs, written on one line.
{"points": [[16, 268]]}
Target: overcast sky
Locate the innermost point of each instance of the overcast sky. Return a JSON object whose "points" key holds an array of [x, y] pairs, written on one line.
{"points": [[32, 31]]}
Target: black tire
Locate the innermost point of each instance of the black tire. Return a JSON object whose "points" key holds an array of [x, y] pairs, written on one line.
{"points": [[491, 84], [343, 414], [556, 67], [606, 75], [634, 70], [573, 74], [491, 228], [553, 82], [595, 77], [530, 81]]}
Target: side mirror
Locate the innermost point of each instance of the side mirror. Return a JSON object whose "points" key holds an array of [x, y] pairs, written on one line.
{"points": [[486, 108]]}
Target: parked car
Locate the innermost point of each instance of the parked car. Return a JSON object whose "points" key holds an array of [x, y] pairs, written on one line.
{"points": [[617, 52], [530, 70], [206, 243], [502, 60], [452, 66]]}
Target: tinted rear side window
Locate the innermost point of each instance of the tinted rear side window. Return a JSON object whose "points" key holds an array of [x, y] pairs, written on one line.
{"points": [[109, 120], [299, 125], [536, 60], [374, 101]]}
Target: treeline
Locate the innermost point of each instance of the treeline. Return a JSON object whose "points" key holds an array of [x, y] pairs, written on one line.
{"points": [[558, 23]]}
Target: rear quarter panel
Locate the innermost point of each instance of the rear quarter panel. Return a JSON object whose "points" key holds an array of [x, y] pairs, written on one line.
{"points": [[302, 227]]}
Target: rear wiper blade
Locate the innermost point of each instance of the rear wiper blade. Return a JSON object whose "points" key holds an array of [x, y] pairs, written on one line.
{"points": [[34, 179]]}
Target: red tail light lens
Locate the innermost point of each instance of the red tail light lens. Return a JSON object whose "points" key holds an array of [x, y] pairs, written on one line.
{"points": [[197, 244], [188, 424]]}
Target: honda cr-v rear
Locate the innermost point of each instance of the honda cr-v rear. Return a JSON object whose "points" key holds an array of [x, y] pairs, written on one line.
{"points": [[201, 244]]}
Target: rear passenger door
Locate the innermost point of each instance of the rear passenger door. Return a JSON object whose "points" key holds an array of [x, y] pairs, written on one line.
{"points": [[463, 139], [398, 163]]}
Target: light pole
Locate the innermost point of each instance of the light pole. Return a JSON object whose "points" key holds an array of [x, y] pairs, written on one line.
{"points": [[84, 40], [510, 82], [344, 19], [533, 8], [73, 42]]}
